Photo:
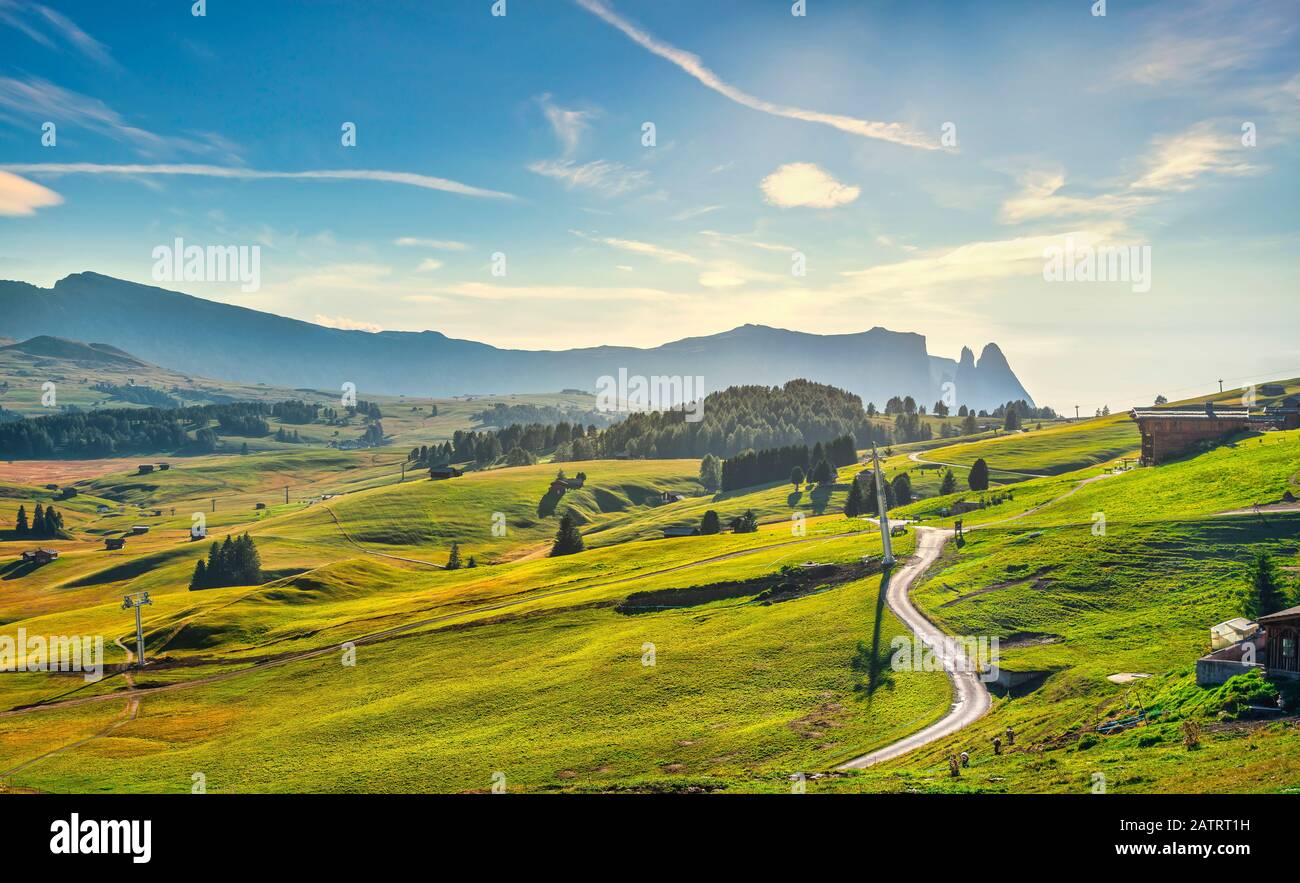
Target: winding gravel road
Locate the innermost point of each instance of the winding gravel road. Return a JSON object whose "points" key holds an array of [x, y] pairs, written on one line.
{"points": [[972, 700]]}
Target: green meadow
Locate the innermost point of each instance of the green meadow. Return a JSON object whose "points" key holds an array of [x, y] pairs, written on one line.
{"points": [[694, 663]]}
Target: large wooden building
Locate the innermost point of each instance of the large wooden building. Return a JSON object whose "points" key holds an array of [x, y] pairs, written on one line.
{"points": [[1169, 432]]}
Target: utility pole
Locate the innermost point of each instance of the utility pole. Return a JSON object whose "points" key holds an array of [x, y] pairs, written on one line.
{"points": [[137, 600], [888, 560], [1076, 412]]}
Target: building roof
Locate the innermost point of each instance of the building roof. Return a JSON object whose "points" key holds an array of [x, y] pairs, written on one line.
{"points": [[1289, 613], [1190, 414]]}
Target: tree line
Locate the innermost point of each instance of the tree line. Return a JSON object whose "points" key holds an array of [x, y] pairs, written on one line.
{"points": [[232, 563], [46, 524]]}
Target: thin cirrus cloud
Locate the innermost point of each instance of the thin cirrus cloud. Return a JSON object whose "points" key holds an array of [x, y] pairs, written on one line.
{"points": [[22, 100], [410, 179], [1173, 164], [692, 64], [804, 184], [52, 29], [21, 198], [437, 244], [645, 249], [599, 176]]}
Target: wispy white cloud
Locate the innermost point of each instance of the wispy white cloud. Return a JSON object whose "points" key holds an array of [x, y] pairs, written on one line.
{"points": [[20, 197], [645, 249], [410, 179], [600, 176], [972, 262], [693, 65], [804, 184], [428, 265], [745, 240], [1040, 197], [568, 124], [23, 100], [438, 244], [1201, 41], [52, 29], [1207, 148], [687, 214]]}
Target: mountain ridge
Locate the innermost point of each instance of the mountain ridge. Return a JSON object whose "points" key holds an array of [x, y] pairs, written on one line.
{"points": [[188, 333]]}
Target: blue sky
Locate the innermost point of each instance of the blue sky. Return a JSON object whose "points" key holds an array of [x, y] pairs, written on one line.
{"points": [[777, 136]]}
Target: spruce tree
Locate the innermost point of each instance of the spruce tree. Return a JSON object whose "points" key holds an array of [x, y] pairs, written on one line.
{"points": [[853, 506], [979, 476], [38, 521], [1264, 596], [21, 527], [200, 578], [824, 473], [949, 485], [453, 560], [902, 488], [568, 539]]}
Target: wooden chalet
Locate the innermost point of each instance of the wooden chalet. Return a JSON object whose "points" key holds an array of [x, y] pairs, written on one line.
{"points": [[40, 556], [1169, 432]]}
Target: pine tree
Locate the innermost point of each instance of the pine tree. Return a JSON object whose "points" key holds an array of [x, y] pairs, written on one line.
{"points": [[1264, 596], [200, 578], [949, 485], [853, 506], [568, 539], [979, 476], [473, 562], [21, 527], [38, 521], [796, 476], [710, 523], [453, 561], [824, 473], [1012, 421]]}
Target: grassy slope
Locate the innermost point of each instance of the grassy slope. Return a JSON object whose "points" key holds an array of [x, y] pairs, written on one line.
{"points": [[742, 695], [1085, 605]]}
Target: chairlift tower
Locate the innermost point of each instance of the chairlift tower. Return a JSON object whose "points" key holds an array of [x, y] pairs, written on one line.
{"points": [[136, 601], [888, 560]]}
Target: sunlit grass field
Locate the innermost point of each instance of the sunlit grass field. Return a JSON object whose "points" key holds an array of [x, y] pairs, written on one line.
{"points": [[531, 671]]}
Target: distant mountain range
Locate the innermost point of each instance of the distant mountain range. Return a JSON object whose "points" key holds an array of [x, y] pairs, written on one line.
{"points": [[193, 335]]}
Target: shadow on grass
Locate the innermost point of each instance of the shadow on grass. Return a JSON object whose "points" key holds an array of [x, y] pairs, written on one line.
{"points": [[870, 664]]}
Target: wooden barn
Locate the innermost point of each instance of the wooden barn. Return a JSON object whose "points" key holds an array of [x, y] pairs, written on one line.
{"points": [[1281, 656], [1169, 432]]}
